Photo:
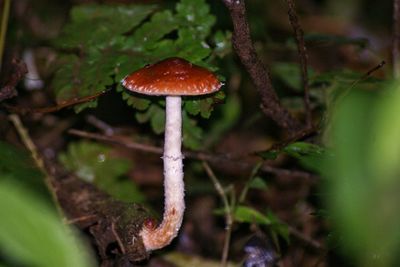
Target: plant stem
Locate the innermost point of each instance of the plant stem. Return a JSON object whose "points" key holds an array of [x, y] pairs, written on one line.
{"points": [[303, 58], [259, 74], [3, 29], [228, 213], [254, 172], [26, 139]]}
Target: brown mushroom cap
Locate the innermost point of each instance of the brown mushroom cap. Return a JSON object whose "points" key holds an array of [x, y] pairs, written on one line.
{"points": [[172, 76]]}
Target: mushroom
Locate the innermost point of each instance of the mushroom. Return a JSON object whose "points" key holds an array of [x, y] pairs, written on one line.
{"points": [[172, 77]]}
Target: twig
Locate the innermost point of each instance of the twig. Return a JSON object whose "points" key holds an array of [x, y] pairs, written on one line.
{"points": [[377, 67], [3, 28], [396, 39], [80, 219], [245, 190], [364, 77], [23, 133], [214, 158], [18, 71], [228, 213], [308, 241], [26, 139], [305, 133], [118, 141], [101, 125], [61, 105], [119, 241], [244, 48], [303, 57]]}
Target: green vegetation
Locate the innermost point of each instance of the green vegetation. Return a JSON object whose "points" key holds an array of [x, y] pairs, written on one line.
{"points": [[328, 193]]}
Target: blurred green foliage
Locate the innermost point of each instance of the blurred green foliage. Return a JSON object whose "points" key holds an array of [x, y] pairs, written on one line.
{"points": [[290, 74], [310, 156], [32, 234], [17, 163], [323, 39], [257, 183], [363, 175], [95, 163], [250, 215], [112, 41]]}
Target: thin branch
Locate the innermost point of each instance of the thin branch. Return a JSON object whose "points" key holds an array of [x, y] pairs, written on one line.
{"points": [[228, 212], [101, 125], [377, 67], [303, 58], [119, 241], [61, 105], [396, 39], [245, 190], [364, 77], [80, 219], [118, 141], [244, 48], [303, 134], [306, 240], [214, 158], [27, 141]]}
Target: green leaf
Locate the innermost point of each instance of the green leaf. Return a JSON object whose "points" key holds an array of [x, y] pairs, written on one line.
{"points": [[78, 78], [250, 215], [30, 230], [227, 116], [290, 74], [157, 120], [155, 115], [146, 37], [222, 42], [139, 103], [196, 15], [190, 47], [363, 176], [258, 183], [192, 107], [98, 31], [95, 163], [17, 165], [112, 48], [202, 106], [101, 25], [277, 228], [192, 134], [311, 156], [299, 149], [268, 154]]}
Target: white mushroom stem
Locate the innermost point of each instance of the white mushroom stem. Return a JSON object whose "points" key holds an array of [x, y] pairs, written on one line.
{"points": [[174, 206]]}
